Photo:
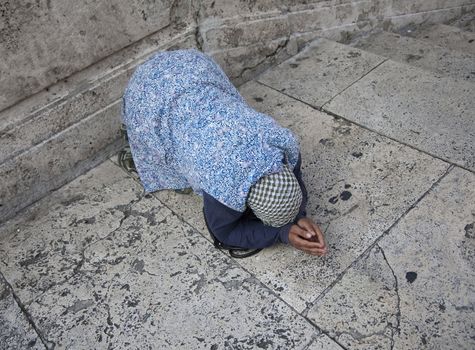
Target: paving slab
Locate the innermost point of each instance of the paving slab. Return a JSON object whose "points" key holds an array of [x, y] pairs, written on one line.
{"points": [[155, 282], [448, 36], [420, 53], [359, 183], [416, 288], [321, 71], [434, 114], [40, 250], [15, 331]]}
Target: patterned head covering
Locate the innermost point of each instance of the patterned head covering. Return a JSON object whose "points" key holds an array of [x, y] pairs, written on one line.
{"points": [[275, 199]]}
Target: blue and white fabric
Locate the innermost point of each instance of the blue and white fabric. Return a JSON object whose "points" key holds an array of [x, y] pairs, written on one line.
{"points": [[188, 126]]}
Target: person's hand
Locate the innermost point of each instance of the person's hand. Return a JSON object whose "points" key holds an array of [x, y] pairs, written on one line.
{"points": [[317, 235], [300, 238]]}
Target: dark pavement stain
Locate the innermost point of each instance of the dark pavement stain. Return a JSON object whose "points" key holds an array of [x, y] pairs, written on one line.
{"points": [[33, 260], [412, 58], [258, 99], [345, 195], [469, 231], [80, 305], [138, 265], [73, 199], [87, 221], [353, 54], [411, 276], [326, 142]]}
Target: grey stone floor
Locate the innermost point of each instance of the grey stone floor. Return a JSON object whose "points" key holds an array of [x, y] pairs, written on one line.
{"points": [[388, 158]]}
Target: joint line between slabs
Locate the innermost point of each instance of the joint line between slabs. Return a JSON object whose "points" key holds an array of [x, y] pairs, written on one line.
{"points": [[356, 81], [333, 339], [376, 241], [47, 344]]}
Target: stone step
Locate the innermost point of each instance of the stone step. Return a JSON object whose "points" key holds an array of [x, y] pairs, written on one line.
{"points": [[58, 160], [429, 112], [452, 38], [420, 53]]}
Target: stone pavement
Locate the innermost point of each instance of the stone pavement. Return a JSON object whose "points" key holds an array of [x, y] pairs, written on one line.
{"points": [[388, 146]]}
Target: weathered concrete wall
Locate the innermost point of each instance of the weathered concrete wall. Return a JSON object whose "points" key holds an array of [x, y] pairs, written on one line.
{"points": [[43, 41], [64, 67]]}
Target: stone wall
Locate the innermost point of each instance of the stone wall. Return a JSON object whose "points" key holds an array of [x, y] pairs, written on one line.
{"points": [[45, 41], [65, 64]]}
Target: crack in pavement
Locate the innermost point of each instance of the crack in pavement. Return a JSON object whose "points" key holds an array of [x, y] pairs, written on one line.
{"points": [[396, 328]]}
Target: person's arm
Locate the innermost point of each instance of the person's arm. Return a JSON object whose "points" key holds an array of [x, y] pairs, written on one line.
{"points": [[246, 231], [298, 174], [238, 229]]}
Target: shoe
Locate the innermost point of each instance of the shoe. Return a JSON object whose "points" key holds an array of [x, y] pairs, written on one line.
{"points": [[126, 161], [235, 252]]}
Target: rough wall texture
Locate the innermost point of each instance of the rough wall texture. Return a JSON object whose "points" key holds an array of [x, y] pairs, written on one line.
{"points": [[65, 64], [48, 40]]}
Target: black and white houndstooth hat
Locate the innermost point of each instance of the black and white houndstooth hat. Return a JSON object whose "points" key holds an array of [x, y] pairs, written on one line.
{"points": [[276, 198]]}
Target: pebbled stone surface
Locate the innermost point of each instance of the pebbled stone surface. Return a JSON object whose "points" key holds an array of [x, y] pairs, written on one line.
{"points": [[416, 288], [157, 283], [434, 114], [38, 251], [15, 331], [320, 71]]}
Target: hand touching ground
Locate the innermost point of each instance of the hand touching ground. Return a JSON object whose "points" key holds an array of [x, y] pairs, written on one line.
{"points": [[307, 237]]}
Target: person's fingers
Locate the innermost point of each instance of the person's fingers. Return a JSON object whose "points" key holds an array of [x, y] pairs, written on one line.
{"points": [[307, 226], [320, 237], [300, 240], [302, 232], [310, 226], [303, 244]]}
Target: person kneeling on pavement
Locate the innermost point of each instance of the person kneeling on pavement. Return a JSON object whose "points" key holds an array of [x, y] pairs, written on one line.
{"points": [[188, 127]]}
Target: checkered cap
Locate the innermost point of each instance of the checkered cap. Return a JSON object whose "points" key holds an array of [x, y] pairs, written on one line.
{"points": [[276, 198]]}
